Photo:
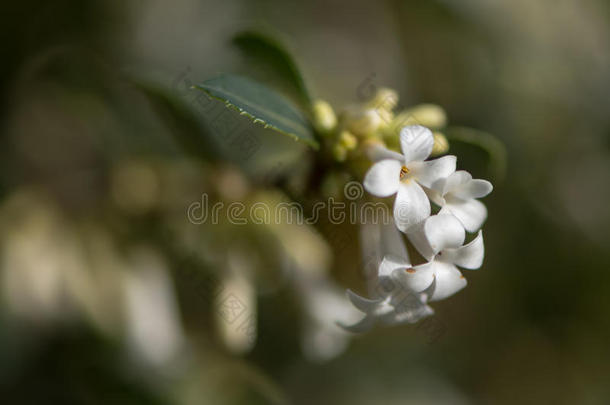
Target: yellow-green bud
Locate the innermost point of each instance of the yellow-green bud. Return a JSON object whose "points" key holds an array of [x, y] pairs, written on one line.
{"points": [[364, 123], [348, 140], [324, 117], [429, 115], [373, 148], [386, 119], [441, 144], [385, 99], [398, 122]]}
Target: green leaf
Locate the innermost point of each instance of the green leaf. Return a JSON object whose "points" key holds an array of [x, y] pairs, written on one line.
{"points": [[486, 141], [265, 49], [186, 128], [262, 104]]}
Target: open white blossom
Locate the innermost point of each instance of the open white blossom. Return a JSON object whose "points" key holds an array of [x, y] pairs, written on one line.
{"points": [[379, 239], [445, 237], [456, 195], [398, 303], [404, 175], [393, 301]]}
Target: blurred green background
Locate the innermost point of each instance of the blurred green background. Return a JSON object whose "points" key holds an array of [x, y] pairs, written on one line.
{"points": [[108, 290]]}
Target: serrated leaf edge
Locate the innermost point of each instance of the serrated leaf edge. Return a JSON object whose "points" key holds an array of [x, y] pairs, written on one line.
{"points": [[311, 142]]}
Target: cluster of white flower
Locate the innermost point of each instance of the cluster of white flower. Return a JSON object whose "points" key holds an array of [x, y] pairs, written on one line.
{"points": [[404, 290]]}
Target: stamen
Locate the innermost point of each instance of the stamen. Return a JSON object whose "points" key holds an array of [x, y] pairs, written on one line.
{"points": [[403, 171], [410, 270]]}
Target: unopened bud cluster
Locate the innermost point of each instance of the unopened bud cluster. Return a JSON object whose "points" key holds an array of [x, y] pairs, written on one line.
{"points": [[349, 132]]}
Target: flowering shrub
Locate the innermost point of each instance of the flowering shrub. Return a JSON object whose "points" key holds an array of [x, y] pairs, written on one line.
{"points": [[389, 153]]}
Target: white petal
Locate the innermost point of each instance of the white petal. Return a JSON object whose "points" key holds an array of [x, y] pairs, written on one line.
{"points": [[445, 211], [386, 283], [378, 152], [418, 238], [411, 205], [393, 244], [409, 310], [391, 263], [473, 189], [428, 173], [455, 180], [416, 143], [417, 278], [427, 293], [326, 306], [378, 241], [434, 195], [363, 325], [383, 178], [444, 231], [448, 280], [471, 213], [374, 310], [469, 256], [411, 315], [363, 304]]}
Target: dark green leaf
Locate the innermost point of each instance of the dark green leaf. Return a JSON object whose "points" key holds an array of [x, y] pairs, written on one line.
{"points": [[265, 49], [261, 104]]}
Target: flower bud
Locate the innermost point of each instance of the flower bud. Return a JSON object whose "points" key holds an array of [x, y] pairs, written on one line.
{"points": [[348, 140], [385, 99], [372, 149], [324, 117], [364, 123], [441, 144], [429, 115]]}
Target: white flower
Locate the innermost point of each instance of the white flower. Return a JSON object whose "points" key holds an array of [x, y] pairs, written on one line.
{"points": [[398, 303], [394, 302], [456, 195], [445, 236], [404, 175], [379, 239]]}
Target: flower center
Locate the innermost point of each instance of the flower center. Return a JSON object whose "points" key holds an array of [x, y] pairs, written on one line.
{"points": [[403, 172]]}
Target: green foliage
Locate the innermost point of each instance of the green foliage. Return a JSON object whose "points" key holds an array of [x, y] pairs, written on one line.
{"points": [[262, 104], [266, 50]]}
